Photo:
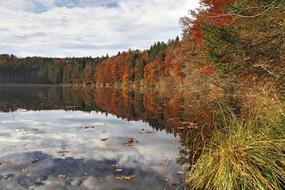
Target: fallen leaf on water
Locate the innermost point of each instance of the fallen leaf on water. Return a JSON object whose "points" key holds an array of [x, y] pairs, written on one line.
{"points": [[131, 177], [131, 142], [87, 127], [63, 152]]}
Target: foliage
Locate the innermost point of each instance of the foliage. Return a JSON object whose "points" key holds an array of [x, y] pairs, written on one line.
{"points": [[229, 45], [45, 70], [136, 66], [244, 153], [240, 41], [243, 39]]}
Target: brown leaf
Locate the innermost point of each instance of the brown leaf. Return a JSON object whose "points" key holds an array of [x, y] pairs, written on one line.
{"points": [[87, 127], [131, 177], [131, 142]]}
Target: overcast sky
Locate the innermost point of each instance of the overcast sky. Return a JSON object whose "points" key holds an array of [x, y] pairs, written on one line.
{"points": [[60, 28]]}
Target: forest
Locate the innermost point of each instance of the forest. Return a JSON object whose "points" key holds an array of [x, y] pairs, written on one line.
{"points": [[224, 42], [125, 67], [42, 70]]}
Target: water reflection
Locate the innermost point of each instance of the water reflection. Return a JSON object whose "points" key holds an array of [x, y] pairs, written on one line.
{"points": [[51, 139], [69, 145], [70, 173], [80, 138]]}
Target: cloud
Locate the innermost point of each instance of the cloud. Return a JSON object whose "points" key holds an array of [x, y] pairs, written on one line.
{"points": [[87, 27]]}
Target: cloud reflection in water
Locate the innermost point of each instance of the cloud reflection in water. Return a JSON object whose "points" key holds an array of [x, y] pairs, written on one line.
{"points": [[62, 146]]}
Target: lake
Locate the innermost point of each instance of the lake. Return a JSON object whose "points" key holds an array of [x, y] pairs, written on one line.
{"points": [[59, 137]]}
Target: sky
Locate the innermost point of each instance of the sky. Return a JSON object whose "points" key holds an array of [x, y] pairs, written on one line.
{"points": [[61, 28]]}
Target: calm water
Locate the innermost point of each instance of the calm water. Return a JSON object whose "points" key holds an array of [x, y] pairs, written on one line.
{"points": [[63, 138]]}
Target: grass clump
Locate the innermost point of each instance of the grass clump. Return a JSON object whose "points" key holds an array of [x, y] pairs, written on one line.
{"points": [[244, 154]]}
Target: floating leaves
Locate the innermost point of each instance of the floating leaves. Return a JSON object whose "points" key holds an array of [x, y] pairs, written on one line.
{"points": [[35, 161], [131, 142], [123, 177], [88, 127], [63, 152]]}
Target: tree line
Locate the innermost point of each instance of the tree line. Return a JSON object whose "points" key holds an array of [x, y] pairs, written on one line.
{"points": [[42, 70], [85, 70], [236, 41]]}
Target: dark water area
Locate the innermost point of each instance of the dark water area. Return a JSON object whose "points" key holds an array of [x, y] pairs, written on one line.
{"points": [[56, 137]]}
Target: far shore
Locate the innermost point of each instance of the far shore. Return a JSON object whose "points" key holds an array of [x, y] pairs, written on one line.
{"points": [[31, 84]]}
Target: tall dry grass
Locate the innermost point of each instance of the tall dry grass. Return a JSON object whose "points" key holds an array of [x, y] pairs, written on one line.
{"points": [[244, 154]]}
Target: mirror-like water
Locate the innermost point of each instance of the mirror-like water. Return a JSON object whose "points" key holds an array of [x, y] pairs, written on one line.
{"points": [[63, 138]]}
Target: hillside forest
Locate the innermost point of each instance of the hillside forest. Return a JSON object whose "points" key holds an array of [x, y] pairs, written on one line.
{"points": [[224, 43]]}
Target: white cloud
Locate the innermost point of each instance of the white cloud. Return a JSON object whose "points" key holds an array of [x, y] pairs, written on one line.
{"points": [[87, 27]]}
